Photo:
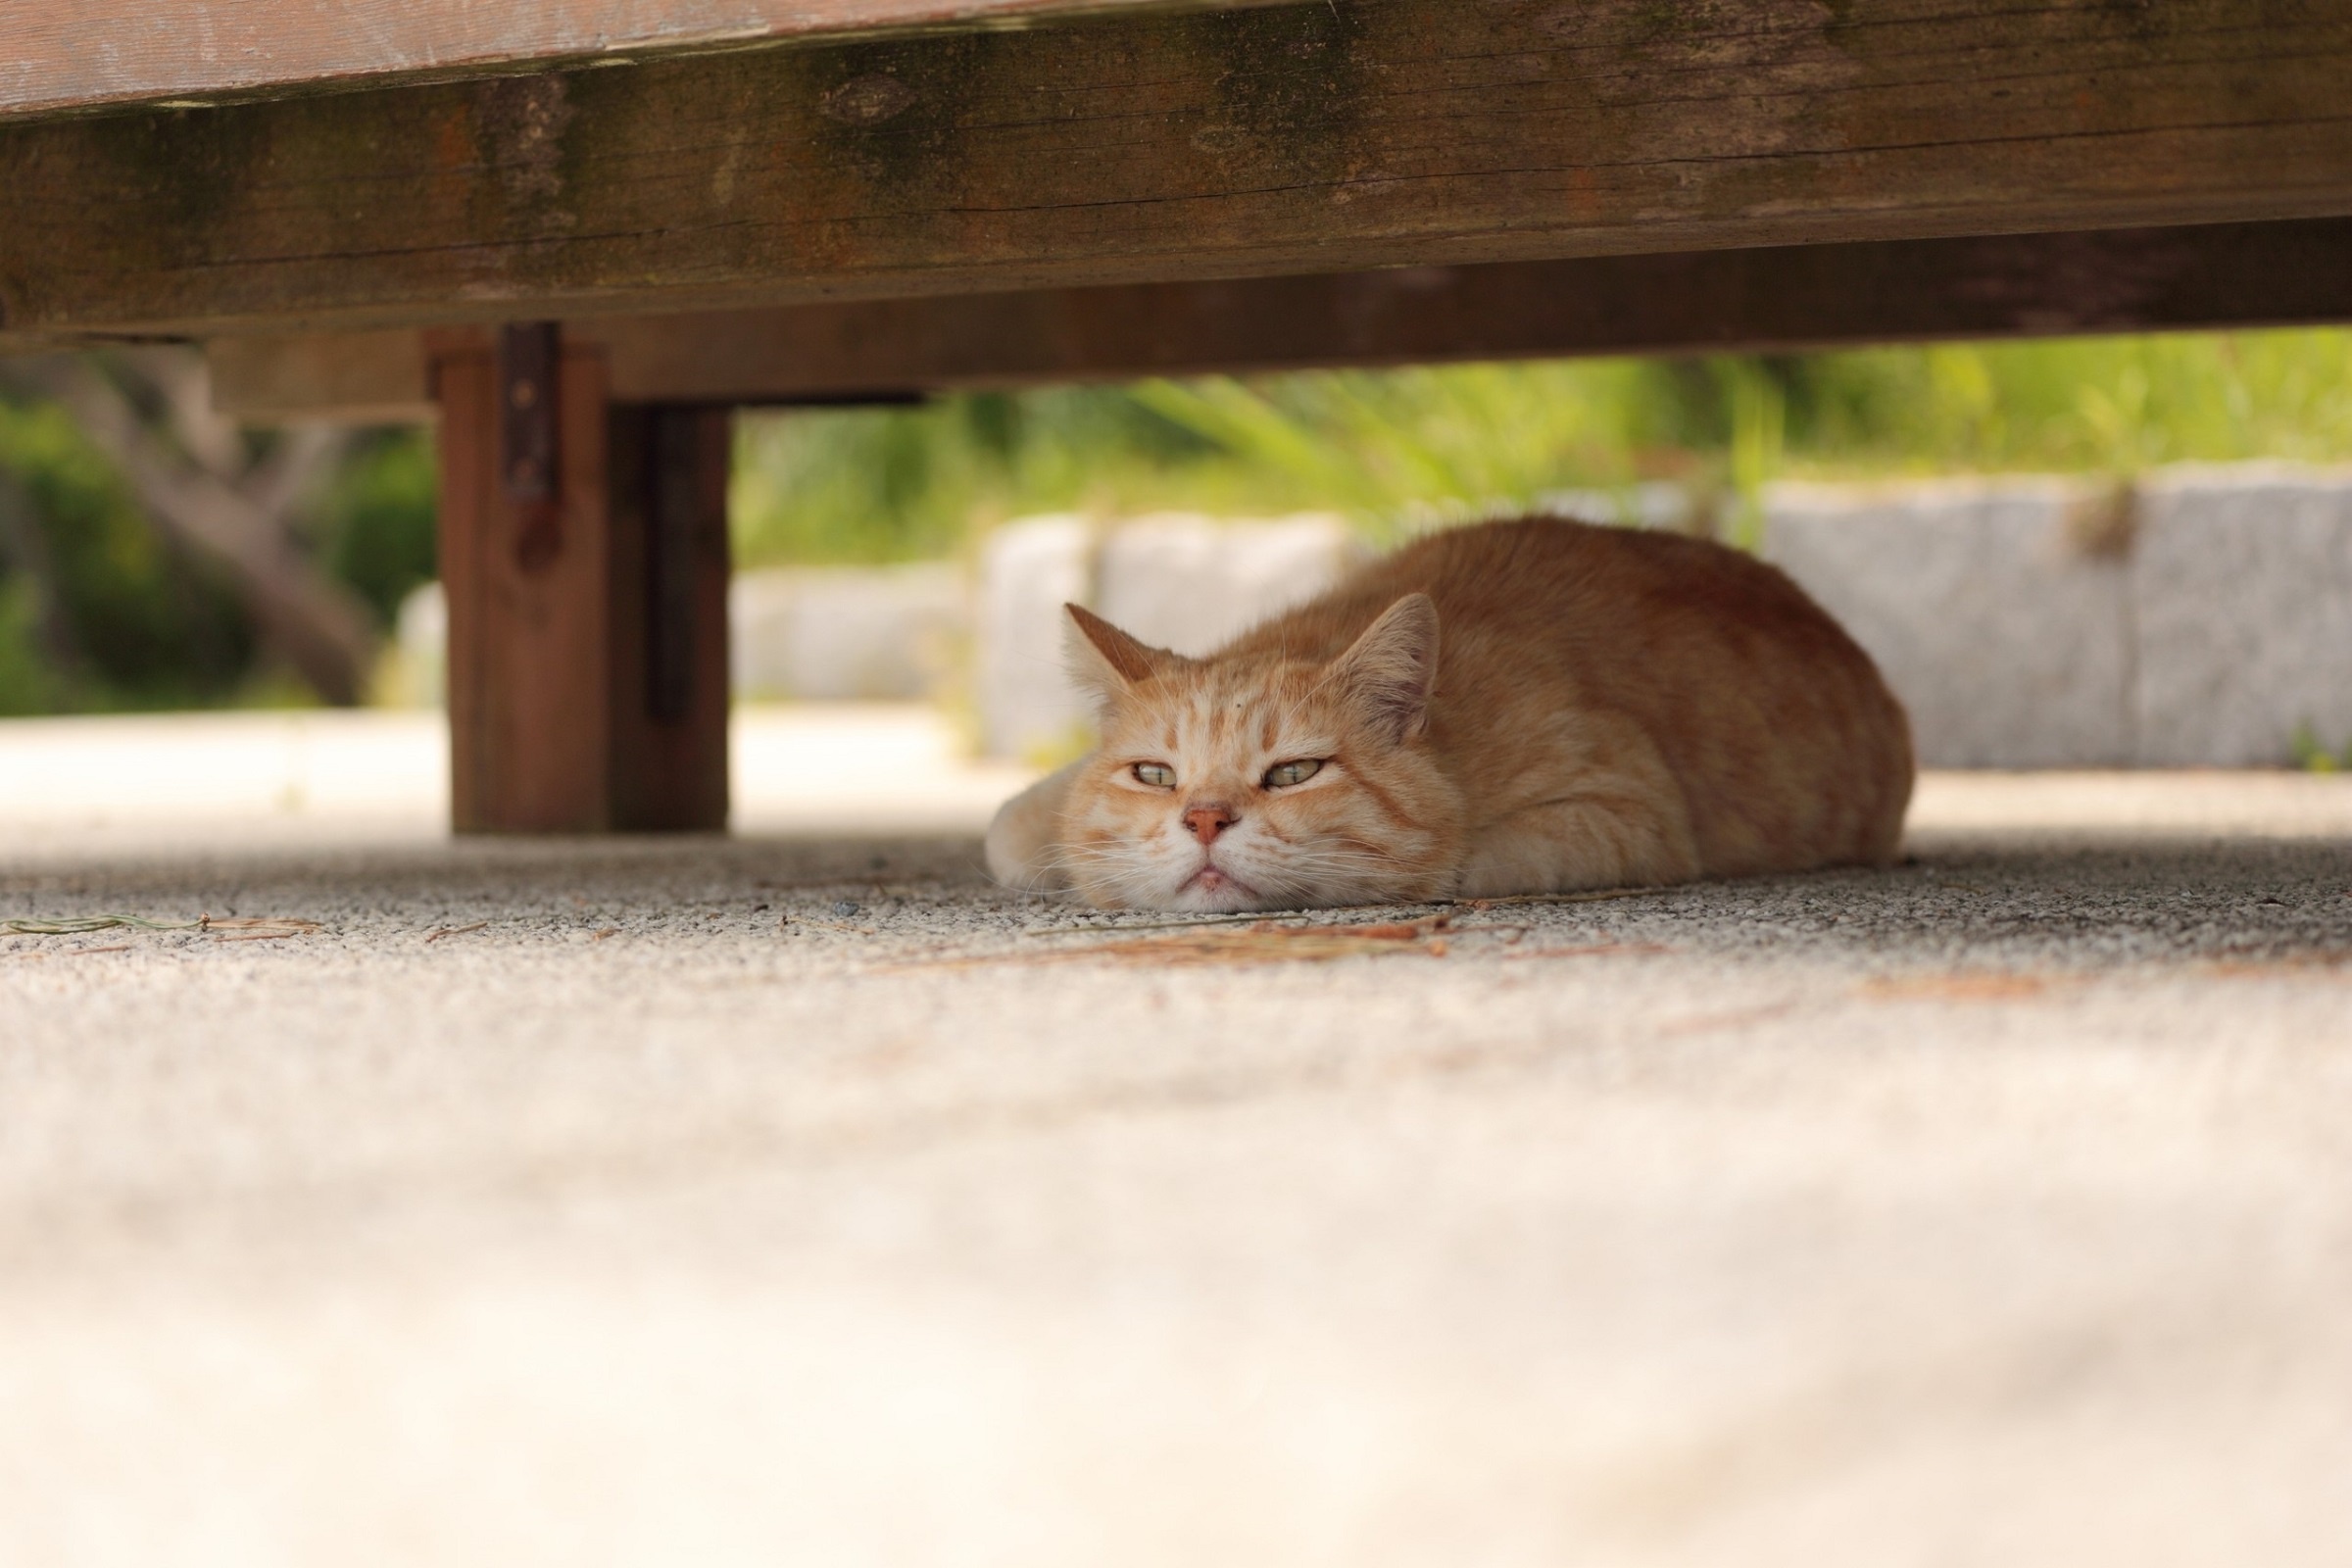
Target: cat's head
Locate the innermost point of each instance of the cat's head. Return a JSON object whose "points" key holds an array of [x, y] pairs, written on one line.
{"points": [[1260, 782]]}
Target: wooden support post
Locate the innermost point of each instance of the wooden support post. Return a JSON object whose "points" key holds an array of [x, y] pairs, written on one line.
{"points": [[583, 552], [669, 616]]}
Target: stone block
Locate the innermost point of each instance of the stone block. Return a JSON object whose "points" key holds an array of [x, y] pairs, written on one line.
{"points": [[419, 676], [1192, 583], [2242, 591], [1174, 579], [1997, 610], [1647, 503], [846, 633], [1028, 570]]}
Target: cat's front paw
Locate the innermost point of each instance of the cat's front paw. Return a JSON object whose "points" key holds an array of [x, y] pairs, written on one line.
{"points": [[1024, 840]]}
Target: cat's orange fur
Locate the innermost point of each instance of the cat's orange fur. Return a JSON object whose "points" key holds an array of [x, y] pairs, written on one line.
{"points": [[1516, 707]]}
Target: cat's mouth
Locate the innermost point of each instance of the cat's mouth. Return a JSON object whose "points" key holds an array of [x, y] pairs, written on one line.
{"points": [[1217, 882]]}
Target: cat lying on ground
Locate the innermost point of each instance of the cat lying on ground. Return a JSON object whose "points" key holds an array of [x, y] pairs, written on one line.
{"points": [[1530, 707]]}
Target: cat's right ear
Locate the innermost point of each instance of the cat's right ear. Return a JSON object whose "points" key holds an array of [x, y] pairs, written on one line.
{"points": [[1104, 660], [1389, 671]]}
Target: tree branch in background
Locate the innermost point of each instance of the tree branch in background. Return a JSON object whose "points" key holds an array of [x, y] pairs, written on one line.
{"points": [[200, 489], [25, 547]]}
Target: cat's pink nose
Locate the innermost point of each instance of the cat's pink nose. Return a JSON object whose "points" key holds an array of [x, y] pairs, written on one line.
{"points": [[1208, 821]]}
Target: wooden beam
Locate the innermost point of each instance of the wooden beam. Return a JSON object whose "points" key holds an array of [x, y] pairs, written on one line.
{"points": [[587, 625], [1302, 138], [202, 52], [348, 377], [2220, 276]]}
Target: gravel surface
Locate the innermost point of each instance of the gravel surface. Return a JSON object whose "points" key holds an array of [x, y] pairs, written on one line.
{"points": [[711, 1203]]}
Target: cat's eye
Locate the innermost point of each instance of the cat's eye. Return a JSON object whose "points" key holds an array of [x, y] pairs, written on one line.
{"points": [[1282, 775], [1160, 775]]}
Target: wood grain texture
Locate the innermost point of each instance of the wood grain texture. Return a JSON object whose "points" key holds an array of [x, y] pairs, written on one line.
{"points": [[76, 56], [555, 726], [530, 632], [1309, 138], [379, 377], [1791, 297]]}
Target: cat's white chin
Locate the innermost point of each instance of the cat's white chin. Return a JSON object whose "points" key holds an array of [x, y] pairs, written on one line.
{"points": [[1212, 890]]}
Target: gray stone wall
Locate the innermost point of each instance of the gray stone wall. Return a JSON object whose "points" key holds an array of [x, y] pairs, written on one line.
{"points": [[2199, 617], [2008, 640], [1174, 579], [2202, 617], [846, 633], [2242, 603], [1028, 570], [1187, 582]]}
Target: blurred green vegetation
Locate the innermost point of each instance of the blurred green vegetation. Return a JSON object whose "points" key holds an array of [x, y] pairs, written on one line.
{"points": [[117, 617], [1401, 447], [373, 525], [98, 611]]}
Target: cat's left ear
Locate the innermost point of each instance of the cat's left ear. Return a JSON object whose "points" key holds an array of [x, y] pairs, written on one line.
{"points": [[1389, 671], [1104, 660]]}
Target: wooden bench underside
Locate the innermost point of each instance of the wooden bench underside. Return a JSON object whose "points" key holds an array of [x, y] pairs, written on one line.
{"points": [[1155, 148]]}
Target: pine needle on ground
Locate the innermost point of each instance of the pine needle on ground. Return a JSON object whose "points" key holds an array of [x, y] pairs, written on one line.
{"points": [[83, 925]]}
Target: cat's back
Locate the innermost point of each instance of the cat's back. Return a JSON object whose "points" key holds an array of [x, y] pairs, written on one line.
{"points": [[1519, 579], [1540, 590], [1786, 745]]}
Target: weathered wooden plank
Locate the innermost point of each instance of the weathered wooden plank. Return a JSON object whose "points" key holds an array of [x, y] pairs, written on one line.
{"points": [[352, 378], [74, 56], [1304, 138], [1791, 297]]}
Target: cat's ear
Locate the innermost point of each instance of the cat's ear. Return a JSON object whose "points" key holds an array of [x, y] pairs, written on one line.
{"points": [[1104, 660], [1387, 672]]}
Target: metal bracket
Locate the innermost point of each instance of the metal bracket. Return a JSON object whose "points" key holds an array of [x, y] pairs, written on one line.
{"points": [[526, 408]]}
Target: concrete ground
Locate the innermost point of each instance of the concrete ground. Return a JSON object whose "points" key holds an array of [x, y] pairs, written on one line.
{"points": [[801, 1199]]}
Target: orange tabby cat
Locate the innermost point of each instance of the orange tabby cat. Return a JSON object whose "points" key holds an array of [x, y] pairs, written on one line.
{"points": [[1517, 707]]}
